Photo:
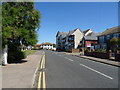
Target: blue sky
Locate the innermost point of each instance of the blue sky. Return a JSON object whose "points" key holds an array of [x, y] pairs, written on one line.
{"points": [[65, 16]]}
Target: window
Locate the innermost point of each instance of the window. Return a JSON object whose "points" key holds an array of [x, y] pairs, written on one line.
{"points": [[116, 35], [101, 39], [103, 46], [108, 37]]}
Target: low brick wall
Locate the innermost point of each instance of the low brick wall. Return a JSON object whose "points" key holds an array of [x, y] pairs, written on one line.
{"points": [[75, 50], [103, 55], [117, 57], [88, 53]]}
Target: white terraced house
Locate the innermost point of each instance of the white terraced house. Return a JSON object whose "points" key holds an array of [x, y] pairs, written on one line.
{"points": [[70, 40], [46, 46]]}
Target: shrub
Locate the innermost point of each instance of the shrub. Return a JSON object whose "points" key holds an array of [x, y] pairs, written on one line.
{"points": [[68, 50], [15, 54], [101, 50], [114, 43], [87, 50], [118, 48]]}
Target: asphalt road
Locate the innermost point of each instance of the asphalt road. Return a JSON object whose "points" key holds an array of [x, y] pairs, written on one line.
{"points": [[66, 71]]}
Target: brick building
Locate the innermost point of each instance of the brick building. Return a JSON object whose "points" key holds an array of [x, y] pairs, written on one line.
{"points": [[90, 39]]}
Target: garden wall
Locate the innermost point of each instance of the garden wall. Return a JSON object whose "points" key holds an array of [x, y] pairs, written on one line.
{"points": [[117, 57], [103, 55], [75, 50]]}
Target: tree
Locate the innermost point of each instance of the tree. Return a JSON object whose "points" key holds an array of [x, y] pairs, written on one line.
{"points": [[20, 23], [114, 43], [54, 45], [119, 41]]}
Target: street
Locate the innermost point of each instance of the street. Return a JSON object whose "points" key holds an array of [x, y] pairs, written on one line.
{"points": [[67, 71]]}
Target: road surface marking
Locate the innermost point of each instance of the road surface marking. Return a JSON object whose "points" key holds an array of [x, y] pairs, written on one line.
{"points": [[96, 71], [41, 79], [40, 75], [43, 61], [44, 83], [68, 58]]}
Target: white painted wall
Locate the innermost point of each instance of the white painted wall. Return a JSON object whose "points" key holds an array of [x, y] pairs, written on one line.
{"points": [[4, 55], [78, 37], [90, 31], [47, 47]]}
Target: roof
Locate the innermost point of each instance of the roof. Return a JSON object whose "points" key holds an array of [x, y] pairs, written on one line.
{"points": [[110, 31], [37, 45], [92, 36], [61, 33], [64, 34], [71, 32], [86, 31], [47, 43]]}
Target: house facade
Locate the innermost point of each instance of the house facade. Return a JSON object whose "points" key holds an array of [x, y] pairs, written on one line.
{"points": [[68, 40], [105, 37], [75, 39], [90, 39], [45, 46]]}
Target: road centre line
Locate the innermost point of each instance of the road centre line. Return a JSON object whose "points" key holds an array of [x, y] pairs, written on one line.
{"points": [[42, 79], [39, 80], [68, 58], [96, 71]]}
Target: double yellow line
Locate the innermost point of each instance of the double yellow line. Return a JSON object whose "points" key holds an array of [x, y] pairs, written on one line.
{"points": [[41, 80]]}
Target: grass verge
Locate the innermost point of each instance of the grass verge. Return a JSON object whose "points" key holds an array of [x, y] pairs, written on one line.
{"points": [[28, 52]]}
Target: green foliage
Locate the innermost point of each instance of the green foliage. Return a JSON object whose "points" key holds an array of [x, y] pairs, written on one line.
{"points": [[20, 23], [114, 41], [87, 50], [118, 48], [119, 41], [28, 52], [54, 45], [101, 50], [15, 54]]}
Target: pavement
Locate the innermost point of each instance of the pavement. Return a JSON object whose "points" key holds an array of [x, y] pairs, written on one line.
{"points": [[68, 71], [105, 61], [21, 75]]}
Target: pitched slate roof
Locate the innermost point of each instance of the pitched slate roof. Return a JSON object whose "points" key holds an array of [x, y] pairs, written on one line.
{"points": [[91, 36], [110, 31], [71, 32], [62, 33], [47, 43], [86, 31]]}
